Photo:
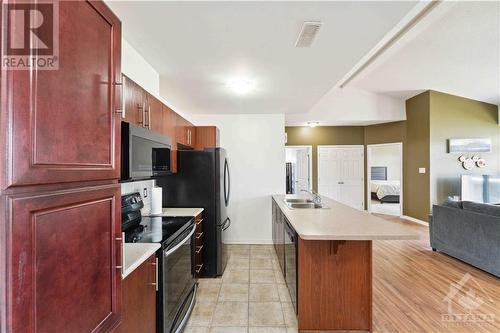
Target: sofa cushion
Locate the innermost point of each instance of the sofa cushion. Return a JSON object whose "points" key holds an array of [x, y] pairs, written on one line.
{"points": [[453, 204], [482, 208]]}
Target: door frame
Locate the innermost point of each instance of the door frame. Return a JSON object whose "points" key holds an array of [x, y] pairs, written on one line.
{"points": [[345, 146], [309, 147], [369, 173]]}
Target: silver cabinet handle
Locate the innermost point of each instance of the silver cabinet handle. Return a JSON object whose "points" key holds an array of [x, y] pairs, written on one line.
{"points": [[199, 248], [141, 112], [122, 109], [149, 117], [198, 235], [199, 221], [156, 274], [199, 268]]}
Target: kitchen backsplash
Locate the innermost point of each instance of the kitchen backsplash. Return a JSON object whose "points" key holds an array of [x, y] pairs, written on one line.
{"points": [[144, 188]]}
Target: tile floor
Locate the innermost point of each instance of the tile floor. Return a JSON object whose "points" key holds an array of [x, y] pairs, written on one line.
{"points": [[251, 296]]}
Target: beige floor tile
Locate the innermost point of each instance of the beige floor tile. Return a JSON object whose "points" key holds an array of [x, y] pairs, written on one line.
{"points": [[263, 293], [283, 293], [267, 330], [289, 313], [292, 330], [194, 329], [233, 292], [238, 263], [230, 314], [208, 292], [262, 276], [276, 264], [236, 276], [265, 314], [202, 314], [260, 263], [260, 251], [228, 330], [278, 277], [210, 281]]}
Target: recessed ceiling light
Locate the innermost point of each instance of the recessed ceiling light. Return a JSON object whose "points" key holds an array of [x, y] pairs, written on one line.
{"points": [[312, 123], [241, 86]]}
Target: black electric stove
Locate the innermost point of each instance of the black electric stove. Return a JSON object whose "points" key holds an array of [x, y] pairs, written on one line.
{"points": [[160, 229], [177, 285]]}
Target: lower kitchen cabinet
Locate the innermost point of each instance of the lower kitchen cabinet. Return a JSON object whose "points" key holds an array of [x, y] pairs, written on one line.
{"points": [[139, 299], [63, 260], [279, 234]]}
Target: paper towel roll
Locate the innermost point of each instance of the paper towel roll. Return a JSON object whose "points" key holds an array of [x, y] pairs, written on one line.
{"points": [[156, 201]]}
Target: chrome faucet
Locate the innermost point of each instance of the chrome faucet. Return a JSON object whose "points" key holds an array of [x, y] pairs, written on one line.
{"points": [[316, 198]]}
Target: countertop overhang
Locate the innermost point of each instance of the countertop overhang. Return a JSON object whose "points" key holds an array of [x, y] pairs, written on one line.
{"points": [[341, 222], [134, 254]]}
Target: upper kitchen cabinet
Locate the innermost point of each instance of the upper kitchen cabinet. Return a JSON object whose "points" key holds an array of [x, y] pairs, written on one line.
{"points": [[154, 112], [206, 137], [134, 98], [61, 125], [186, 133], [64, 262], [169, 129]]}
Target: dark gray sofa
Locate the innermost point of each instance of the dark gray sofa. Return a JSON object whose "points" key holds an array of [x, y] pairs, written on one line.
{"points": [[468, 231]]}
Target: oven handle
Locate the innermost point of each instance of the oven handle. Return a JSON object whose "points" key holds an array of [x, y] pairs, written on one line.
{"points": [[183, 323], [175, 248]]}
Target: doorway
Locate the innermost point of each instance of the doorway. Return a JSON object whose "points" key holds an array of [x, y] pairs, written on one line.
{"points": [[298, 168], [341, 174], [385, 178]]}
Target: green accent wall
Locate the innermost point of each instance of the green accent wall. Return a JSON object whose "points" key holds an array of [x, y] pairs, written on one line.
{"points": [[416, 192], [323, 135], [457, 117]]}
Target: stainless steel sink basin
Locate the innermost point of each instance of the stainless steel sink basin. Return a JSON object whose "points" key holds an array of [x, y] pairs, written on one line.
{"points": [[298, 200], [304, 205]]}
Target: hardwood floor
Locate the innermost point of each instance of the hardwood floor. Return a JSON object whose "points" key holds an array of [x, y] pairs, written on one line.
{"points": [[411, 283]]}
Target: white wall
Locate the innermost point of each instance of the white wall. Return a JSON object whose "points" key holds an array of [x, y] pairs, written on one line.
{"points": [[139, 70], [388, 156], [255, 149]]}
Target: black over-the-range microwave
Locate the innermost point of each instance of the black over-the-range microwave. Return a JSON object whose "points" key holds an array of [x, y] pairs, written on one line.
{"points": [[144, 154]]}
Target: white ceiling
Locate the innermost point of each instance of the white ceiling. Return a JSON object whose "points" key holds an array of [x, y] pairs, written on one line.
{"points": [[198, 46], [455, 49]]}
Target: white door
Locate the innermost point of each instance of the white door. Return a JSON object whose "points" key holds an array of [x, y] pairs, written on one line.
{"points": [[302, 170], [341, 174]]}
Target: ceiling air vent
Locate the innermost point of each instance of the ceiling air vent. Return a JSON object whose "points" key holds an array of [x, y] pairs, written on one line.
{"points": [[307, 34]]}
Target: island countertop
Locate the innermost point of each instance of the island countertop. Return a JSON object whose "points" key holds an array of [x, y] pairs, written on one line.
{"points": [[340, 222]]}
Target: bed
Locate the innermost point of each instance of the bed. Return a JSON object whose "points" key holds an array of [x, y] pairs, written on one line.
{"points": [[383, 190]]}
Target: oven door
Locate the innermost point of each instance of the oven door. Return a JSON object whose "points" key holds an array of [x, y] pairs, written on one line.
{"points": [[178, 281]]}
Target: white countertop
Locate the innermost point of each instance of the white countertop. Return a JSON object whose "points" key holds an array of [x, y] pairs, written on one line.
{"points": [[134, 254], [180, 212], [341, 222]]}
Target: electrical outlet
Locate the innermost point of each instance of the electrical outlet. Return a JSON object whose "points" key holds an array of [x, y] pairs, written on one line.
{"points": [[421, 170], [145, 192]]}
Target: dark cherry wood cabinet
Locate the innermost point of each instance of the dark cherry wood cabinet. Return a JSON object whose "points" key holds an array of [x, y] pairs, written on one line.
{"points": [[60, 125], [155, 114], [65, 252], [206, 137], [134, 102], [185, 133], [139, 299], [169, 129]]}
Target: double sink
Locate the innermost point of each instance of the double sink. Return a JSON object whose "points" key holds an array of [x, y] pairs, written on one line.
{"points": [[299, 203]]}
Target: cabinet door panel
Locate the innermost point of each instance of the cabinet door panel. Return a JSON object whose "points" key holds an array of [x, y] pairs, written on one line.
{"points": [[169, 129], [63, 254], [135, 102], [155, 114], [63, 122], [139, 299]]}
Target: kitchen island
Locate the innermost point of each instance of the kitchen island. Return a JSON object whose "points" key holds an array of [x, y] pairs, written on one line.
{"points": [[326, 257]]}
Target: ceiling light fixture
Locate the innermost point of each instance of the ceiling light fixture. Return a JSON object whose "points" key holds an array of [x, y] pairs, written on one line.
{"points": [[241, 86], [312, 124]]}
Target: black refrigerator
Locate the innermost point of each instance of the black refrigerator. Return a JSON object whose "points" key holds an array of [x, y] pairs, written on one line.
{"points": [[202, 180]]}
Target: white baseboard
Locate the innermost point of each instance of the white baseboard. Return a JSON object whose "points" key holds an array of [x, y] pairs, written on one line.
{"points": [[248, 241], [412, 219]]}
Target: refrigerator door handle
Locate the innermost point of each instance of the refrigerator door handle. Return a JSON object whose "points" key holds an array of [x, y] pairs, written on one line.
{"points": [[227, 183], [228, 224]]}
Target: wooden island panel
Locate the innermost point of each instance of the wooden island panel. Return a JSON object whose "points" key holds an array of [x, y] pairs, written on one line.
{"points": [[334, 285]]}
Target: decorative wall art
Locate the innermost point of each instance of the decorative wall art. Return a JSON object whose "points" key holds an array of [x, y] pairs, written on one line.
{"points": [[476, 145], [468, 163]]}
